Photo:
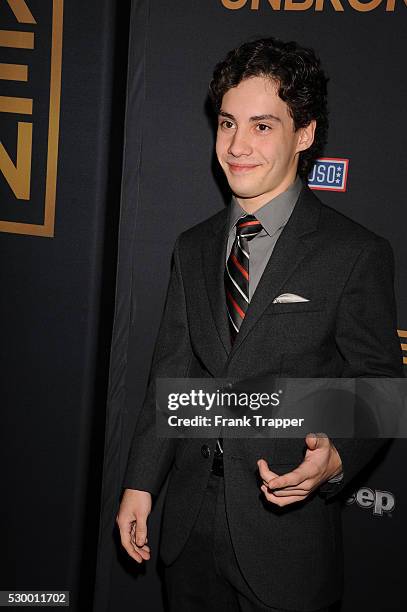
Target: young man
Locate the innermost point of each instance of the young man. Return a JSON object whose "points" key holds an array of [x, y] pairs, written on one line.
{"points": [[236, 535]]}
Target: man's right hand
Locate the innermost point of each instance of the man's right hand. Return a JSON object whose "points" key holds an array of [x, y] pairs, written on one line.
{"points": [[132, 521]]}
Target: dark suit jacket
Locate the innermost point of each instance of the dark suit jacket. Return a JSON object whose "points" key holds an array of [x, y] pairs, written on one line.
{"points": [[292, 557]]}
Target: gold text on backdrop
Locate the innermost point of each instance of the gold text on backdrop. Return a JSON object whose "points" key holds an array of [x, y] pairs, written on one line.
{"points": [[18, 173], [316, 5]]}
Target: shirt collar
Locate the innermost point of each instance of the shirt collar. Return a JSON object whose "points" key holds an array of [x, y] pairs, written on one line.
{"points": [[274, 214]]}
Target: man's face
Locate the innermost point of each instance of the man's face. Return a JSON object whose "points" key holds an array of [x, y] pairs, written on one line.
{"points": [[256, 144]]}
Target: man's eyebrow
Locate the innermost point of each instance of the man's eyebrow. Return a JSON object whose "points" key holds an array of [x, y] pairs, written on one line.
{"points": [[254, 118], [222, 113], [265, 118]]}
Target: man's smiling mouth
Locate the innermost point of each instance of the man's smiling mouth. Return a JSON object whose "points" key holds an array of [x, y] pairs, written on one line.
{"points": [[241, 168]]}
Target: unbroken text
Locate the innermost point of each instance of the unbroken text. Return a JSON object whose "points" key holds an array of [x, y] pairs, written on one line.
{"points": [[316, 5]]}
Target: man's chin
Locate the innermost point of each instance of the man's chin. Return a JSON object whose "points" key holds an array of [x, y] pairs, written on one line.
{"points": [[245, 194], [240, 190]]}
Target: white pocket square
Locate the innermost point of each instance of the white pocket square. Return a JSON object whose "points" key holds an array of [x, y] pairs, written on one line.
{"points": [[289, 298]]}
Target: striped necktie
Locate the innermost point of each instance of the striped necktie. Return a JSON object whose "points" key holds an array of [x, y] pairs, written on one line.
{"points": [[237, 278], [237, 275]]}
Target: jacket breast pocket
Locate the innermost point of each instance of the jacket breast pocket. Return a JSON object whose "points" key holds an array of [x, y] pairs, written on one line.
{"points": [[316, 305]]}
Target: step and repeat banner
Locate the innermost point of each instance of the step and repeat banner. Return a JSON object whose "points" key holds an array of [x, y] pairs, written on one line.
{"points": [[71, 207], [171, 181]]}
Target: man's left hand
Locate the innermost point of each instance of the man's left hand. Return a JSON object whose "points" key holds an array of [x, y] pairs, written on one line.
{"points": [[321, 462]]}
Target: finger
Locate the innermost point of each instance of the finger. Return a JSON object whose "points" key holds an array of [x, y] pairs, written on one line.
{"points": [[144, 547], [289, 490], [307, 470], [311, 440], [141, 531], [133, 541], [264, 470], [281, 501], [285, 493], [127, 535], [304, 485], [316, 440], [291, 479], [143, 551], [303, 489], [133, 551]]}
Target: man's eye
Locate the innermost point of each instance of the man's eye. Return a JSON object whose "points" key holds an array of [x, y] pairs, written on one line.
{"points": [[262, 127], [226, 124]]}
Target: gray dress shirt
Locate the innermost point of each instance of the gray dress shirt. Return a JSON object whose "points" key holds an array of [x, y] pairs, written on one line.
{"points": [[273, 216]]}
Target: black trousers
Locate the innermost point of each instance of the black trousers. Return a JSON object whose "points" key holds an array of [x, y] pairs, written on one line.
{"points": [[206, 576]]}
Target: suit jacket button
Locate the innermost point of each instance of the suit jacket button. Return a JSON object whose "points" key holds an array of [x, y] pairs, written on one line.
{"points": [[205, 451]]}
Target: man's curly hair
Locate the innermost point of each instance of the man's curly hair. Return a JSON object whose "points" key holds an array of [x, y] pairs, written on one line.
{"points": [[301, 82]]}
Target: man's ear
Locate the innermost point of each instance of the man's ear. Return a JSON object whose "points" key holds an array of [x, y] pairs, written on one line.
{"points": [[306, 136]]}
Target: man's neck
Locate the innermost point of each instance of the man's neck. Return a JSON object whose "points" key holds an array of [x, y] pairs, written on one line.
{"points": [[251, 205]]}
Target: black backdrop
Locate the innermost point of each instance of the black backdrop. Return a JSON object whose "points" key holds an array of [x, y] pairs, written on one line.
{"points": [[170, 183], [64, 315], [57, 299]]}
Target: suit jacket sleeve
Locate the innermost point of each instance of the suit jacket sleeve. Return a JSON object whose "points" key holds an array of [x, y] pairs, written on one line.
{"points": [[150, 457], [366, 337]]}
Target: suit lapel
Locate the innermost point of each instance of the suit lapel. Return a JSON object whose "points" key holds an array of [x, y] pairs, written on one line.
{"points": [[214, 257], [287, 254]]}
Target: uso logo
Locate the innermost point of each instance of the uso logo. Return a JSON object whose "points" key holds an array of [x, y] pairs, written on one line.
{"points": [[329, 173]]}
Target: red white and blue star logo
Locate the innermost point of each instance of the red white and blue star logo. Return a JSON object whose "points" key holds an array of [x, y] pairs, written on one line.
{"points": [[329, 174]]}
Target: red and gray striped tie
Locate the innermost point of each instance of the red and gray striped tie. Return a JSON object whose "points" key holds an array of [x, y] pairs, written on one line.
{"points": [[237, 278], [237, 275]]}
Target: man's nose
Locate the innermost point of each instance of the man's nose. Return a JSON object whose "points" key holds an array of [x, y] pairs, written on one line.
{"points": [[240, 144]]}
